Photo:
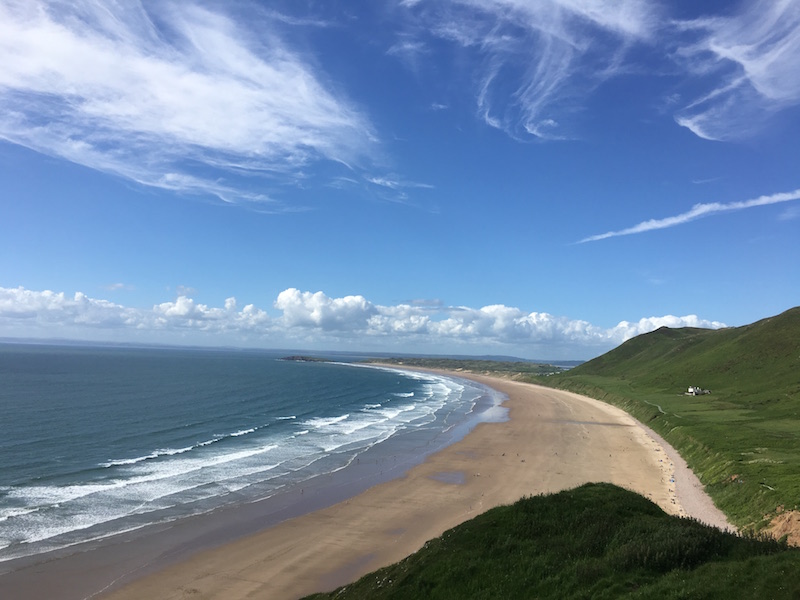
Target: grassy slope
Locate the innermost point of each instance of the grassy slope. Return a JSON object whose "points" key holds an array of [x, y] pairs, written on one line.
{"points": [[597, 541], [743, 440]]}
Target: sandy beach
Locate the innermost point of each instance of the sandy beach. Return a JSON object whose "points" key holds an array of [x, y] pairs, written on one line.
{"points": [[553, 440]]}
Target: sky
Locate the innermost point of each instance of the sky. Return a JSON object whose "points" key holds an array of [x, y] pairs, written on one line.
{"points": [[543, 179]]}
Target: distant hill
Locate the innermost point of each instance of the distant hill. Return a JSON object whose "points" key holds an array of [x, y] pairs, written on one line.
{"points": [[494, 358], [514, 369], [596, 541], [742, 440], [752, 359]]}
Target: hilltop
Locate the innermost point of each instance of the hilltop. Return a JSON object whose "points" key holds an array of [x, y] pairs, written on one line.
{"points": [[760, 358]]}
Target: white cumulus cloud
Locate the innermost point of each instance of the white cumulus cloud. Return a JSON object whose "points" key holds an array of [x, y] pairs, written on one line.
{"points": [[306, 309], [625, 330], [317, 320]]}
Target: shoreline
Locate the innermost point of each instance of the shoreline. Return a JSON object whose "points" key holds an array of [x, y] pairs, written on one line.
{"points": [[552, 440]]}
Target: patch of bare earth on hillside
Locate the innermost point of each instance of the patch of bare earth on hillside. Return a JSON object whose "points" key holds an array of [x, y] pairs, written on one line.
{"points": [[786, 523]]}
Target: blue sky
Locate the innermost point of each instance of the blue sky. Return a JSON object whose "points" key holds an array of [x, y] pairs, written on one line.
{"points": [[538, 178]]}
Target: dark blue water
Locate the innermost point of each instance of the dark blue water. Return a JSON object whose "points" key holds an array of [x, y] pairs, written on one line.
{"points": [[96, 441]]}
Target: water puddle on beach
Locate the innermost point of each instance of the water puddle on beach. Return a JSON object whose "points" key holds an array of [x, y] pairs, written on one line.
{"points": [[454, 477]]}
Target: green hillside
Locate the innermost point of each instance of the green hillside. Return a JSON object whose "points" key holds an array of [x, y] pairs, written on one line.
{"points": [[743, 439], [597, 541]]}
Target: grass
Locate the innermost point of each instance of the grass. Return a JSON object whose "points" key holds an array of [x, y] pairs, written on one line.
{"points": [[597, 541]]}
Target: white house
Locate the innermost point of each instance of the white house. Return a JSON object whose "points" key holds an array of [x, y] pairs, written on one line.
{"points": [[696, 391]]}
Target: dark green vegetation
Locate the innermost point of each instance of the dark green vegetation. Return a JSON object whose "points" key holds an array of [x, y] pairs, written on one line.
{"points": [[302, 358], [742, 440], [597, 541], [517, 369]]}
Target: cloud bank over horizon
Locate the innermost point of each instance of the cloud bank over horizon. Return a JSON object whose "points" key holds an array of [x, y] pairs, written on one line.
{"points": [[317, 321]]}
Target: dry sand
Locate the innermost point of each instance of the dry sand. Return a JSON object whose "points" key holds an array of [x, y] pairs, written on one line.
{"points": [[554, 440]]}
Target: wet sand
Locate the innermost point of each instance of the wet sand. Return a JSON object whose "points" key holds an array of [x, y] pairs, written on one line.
{"points": [[553, 440]]}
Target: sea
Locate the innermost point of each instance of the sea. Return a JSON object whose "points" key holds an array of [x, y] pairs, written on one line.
{"points": [[99, 441]]}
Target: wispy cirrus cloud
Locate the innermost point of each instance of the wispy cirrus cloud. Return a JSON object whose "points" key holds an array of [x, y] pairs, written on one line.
{"points": [[538, 59], [316, 320], [171, 95], [790, 214], [116, 287], [697, 211], [395, 183], [393, 188], [536, 64], [408, 50], [750, 62]]}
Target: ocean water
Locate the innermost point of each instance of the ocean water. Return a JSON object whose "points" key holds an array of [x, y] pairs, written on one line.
{"points": [[99, 441]]}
